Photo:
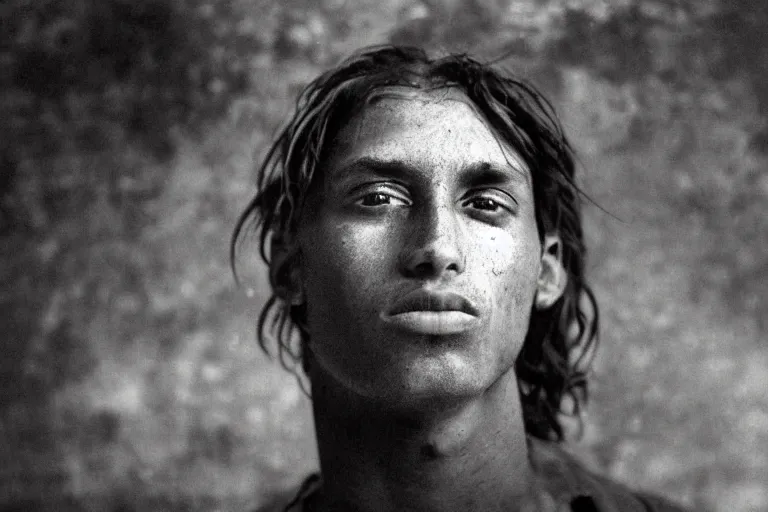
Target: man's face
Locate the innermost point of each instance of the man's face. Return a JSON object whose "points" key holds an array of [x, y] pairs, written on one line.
{"points": [[419, 253]]}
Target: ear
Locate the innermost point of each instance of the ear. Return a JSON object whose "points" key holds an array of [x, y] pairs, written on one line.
{"points": [[552, 275], [285, 269]]}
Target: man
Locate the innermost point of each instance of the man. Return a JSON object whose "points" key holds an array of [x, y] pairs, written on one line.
{"points": [[421, 225]]}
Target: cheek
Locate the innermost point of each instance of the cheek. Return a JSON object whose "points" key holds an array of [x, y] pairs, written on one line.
{"points": [[512, 267], [345, 272], [342, 267]]}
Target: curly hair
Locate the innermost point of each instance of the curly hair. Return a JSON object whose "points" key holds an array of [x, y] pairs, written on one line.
{"points": [[556, 353]]}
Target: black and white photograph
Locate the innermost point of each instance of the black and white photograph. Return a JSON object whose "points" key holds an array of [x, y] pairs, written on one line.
{"points": [[384, 255]]}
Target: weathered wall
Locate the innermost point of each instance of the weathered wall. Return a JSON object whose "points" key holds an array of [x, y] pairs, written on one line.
{"points": [[131, 378]]}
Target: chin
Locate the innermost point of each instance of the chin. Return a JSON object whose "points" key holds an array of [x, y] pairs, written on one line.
{"points": [[447, 379], [404, 371]]}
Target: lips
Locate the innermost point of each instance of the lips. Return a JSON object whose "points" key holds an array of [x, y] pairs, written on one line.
{"points": [[433, 313], [423, 300]]}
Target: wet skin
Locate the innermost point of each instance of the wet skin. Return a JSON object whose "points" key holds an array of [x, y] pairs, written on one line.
{"points": [[419, 194], [421, 411]]}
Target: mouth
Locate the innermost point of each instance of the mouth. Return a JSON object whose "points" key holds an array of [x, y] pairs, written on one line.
{"points": [[433, 313]]}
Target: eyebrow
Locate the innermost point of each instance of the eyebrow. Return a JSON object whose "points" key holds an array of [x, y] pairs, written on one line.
{"points": [[475, 174], [395, 169], [488, 173]]}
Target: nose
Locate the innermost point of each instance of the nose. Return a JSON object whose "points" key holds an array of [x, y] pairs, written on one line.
{"points": [[435, 244]]}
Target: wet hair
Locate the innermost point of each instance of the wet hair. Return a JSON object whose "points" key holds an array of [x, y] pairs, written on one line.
{"points": [[556, 353]]}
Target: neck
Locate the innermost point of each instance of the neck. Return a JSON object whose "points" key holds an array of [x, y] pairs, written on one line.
{"points": [[471, 455]]}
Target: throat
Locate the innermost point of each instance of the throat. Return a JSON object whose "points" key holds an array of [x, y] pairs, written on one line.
{"points": [[452, 437], [472, 457]]}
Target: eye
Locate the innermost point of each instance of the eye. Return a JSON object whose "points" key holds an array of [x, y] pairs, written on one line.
{"points": [[375, 199], [379, 198], [484, 203], [491, 202]]}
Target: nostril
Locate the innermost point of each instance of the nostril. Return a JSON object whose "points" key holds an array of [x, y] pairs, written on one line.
{"points": [[453, 266], [429, 268], [432, 261], [423, 269]]}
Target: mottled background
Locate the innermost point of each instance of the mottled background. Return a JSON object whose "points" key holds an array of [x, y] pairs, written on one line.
{"points": [[130, 376]]}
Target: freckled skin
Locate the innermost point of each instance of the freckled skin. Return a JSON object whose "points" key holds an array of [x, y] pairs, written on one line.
{"points": [[408, 421], [356, 260]]}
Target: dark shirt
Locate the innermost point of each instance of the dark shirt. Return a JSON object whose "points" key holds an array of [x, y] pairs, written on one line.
{"points": [[562, 476]]}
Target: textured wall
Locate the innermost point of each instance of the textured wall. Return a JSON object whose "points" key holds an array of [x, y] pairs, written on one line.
{"points": [[131, 378]]}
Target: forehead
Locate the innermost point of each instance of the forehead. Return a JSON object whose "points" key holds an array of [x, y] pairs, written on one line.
{"points": [[425, 128]]}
